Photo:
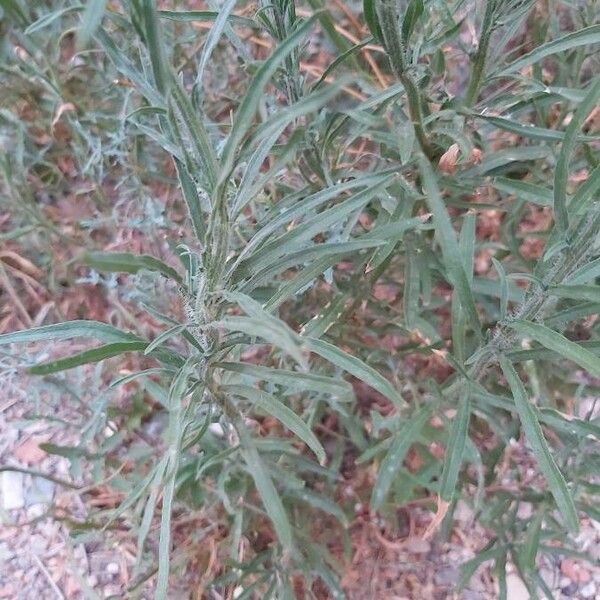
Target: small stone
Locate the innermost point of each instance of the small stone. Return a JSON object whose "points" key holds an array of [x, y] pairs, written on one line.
{"points": [[548, 575], [463, 512], [446, 577], [112, 568], [417, 545], [516, 589], [569, 590], [525, 510], [92, 581], [35, 511], [588, 591], [5, 553], [38, 544], [471, 595], [11, 486], [112, 590], [40, 492]]}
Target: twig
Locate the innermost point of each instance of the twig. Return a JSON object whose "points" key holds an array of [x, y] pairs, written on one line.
{"points": [[47, 575]]}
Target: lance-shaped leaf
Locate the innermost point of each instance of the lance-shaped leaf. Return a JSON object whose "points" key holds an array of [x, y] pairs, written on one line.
{"points": [[535, 437]]}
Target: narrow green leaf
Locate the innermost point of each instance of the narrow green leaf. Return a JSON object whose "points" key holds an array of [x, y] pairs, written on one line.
{"points": [[163, 337], [582, 37], [449, 244], [267, 134], [572, 313], [277, 335], [264, 485], [293, 380], [88, 356], [532, 542], [585, 273], [535, 437], [542, 353], [401, 442], [503, 287], [586, 192], [150, 507], [372, 19], [560, 344], [164, 540], [524, 190], [276, 408], [413, 13], [561, 173], [467, 569], [90, 21], [244, 116], [124, 262], [502, 158], [152, 36], [289, 241], [529, 130], [300, 282], [355, 367], [49, 18], [192, 200], [191, 16], [320, 502], [213, 36], [588, 293], [193, 132], [412, 288], [69, 330], [304, 206], [128, 70], [306, 255], [455, 449]]}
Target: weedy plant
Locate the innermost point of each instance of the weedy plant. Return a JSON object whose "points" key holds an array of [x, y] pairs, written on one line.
{"points": [[291, 229]]}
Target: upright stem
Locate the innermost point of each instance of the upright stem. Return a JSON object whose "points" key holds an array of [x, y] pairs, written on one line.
{"points": [[394, 47], [536, 301], [416, 114], [481, 55]]}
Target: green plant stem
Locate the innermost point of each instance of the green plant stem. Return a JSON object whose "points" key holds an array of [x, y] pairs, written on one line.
{"points": [[536, 301], [392, 41], [480, 55], [416, 114]]}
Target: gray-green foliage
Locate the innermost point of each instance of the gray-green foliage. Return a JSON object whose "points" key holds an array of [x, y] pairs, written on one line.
{"points": [[274, 205]]}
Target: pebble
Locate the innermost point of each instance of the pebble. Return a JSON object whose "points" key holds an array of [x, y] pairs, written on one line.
{"points": [[515, 588], [471, 595], [5, 553], [35, 511], [112, 568], [418, 545], [589, 590], [38, 544], [92, 581], [112, 590], [564, 582], [525, 510], [446, 577], [41, 491], [11, 486], [569, 590]]}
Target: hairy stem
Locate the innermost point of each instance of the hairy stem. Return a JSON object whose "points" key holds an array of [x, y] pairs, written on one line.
{"points": [[480, 57], [392, 40]]}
